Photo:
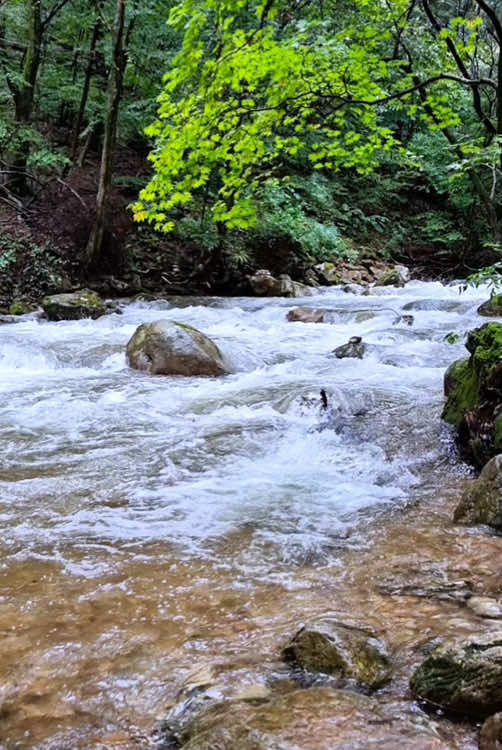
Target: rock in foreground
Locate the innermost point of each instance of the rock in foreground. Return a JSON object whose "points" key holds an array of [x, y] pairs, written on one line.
{"points": [[463, 676], [314, 719], [482, 501], [348, 652], [74, 305], [169, 348]]}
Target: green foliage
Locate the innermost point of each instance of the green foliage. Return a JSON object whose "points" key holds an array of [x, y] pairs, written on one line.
{"points": [[284, 212]]}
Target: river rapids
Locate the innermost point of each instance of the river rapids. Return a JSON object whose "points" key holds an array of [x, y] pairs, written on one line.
{"points": [[153, 526]]}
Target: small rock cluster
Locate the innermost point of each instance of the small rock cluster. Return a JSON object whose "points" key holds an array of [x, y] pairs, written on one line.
{"points": [[356, 279]]}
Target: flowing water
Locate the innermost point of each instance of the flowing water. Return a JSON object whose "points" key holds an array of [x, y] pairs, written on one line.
{"points": [[153, 527]]}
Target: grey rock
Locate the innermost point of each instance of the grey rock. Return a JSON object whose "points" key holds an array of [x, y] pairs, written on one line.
{"points": [[169, 348]]}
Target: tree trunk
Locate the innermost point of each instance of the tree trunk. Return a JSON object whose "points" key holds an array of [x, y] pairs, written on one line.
{"points": [[24, 93], [96, 34], [115, 85]]}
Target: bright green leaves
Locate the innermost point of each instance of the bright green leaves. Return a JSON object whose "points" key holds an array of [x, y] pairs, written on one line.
{"points": [[259, 86]]}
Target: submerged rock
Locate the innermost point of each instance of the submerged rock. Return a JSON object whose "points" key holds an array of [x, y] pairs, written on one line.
{"points": [[306, 315], [473, 390], [333, 648], [492, 308], [74, 305], [463, 676], [169, 348], [490, 737], [397, 276], [319, 718], [265, 285], [353, 348], [482, 501]]}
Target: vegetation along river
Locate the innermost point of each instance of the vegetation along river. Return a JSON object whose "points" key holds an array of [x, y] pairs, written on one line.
{"points": [[157, 529]]}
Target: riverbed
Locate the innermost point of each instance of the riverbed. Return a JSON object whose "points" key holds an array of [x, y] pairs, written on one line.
{"points": [[157, 528]]}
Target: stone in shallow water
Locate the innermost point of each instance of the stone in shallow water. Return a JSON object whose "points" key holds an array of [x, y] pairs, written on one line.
{"points": [[334, 648], [313, 719], [306, 315], [169, 348], [463, 676], [354, 348]]}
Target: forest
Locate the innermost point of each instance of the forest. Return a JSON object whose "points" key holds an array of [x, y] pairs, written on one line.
{"points": [[197, 141]]}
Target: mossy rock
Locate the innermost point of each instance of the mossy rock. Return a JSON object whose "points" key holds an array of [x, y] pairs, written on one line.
{"points": [[334, 648], [461, 388], [169, 348], [74, 305], [20, 307], [473, 390], [464, 676]]}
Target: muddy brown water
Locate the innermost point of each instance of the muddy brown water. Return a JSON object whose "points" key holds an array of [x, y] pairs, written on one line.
{"points": [[160, 533]]}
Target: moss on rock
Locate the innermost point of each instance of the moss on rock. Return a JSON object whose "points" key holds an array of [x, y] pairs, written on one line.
{"points": [[463, 676], [473, 390], [341, 650]]}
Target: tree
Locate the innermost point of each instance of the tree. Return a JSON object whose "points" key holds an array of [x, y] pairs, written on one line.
{"points": [[257, 84], [115, 86]]}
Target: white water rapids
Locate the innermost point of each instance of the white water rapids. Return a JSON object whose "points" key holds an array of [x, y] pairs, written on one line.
{"points": [[103, 468]]}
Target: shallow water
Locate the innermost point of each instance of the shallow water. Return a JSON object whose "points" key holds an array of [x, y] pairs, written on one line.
{"points": [[153, 526]]}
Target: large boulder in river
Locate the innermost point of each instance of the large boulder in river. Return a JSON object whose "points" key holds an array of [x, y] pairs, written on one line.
{"points": [[482, 500], [265, 285], [344, 651], [463, 676], [319, 718], [74, 305], [169, 348], [473, 390]]}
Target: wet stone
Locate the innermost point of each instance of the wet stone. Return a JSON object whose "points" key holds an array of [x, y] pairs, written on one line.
{"points": [[313, 719], [306, 315], [354, 348], [463, 676], [344, 651], [169, 348]]}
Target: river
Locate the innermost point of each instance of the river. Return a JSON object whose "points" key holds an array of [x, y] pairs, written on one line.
{"points": [[155, 526]]}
